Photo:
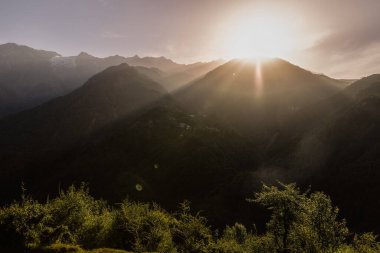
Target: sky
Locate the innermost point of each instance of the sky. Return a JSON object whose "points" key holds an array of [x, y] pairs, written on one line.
{"points": [[340, 38]]}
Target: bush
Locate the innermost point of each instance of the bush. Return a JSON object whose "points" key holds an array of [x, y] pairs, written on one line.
{"points": [[191, 233], [300, 222], [365, 243], [21, 224], [76, 217], [142, 227]]}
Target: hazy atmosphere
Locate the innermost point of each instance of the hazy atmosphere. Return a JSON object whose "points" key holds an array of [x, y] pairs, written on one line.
{"points": [[189, 126], [338, 38]]}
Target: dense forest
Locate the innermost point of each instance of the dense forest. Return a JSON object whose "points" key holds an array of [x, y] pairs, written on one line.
{"points": [[300, 221]]}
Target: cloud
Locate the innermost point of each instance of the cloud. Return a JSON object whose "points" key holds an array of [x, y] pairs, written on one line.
{"points": [[350, 42], [351, 49], [113, 35]]}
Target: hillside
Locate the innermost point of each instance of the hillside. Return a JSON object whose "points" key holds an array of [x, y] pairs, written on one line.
{"points": [[256, 97], [103, 99], [343, 150], [121, 129]]}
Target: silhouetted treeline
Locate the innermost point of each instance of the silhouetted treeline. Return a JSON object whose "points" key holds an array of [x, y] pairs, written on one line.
{"points": [[299, 222]]}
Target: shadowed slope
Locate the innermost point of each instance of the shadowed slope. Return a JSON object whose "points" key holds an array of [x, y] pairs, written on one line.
{"points": [[106, 97], [333, 145], [254, 97]]}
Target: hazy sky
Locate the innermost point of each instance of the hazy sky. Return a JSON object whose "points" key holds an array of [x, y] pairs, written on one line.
{"points": [[339, 38]]}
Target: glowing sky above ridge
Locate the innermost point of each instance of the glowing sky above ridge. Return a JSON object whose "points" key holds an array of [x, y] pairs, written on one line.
{"points": [[340, 38]]}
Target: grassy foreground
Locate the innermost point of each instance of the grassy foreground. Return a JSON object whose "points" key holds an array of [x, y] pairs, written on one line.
{"points": [[66, 248]]}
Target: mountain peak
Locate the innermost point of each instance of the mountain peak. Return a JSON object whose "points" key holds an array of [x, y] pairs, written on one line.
{"points": [[363, 84], [121, 78], [85, 55], [108, 96], [15, 50]]}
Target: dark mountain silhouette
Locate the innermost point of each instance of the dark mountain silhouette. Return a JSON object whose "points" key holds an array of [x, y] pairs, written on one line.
{"points": [[108, 96], [29, 77], [26, 77], [364, 85], [103, 99], [255, 98], [333, 145], [340, 154]]}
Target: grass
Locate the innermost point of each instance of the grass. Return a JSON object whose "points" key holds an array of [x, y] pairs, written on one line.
{"points": [[66, 248], [105, 250]]}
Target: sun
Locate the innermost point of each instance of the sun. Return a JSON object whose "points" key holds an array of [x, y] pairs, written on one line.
{"points": [[258, 35]]}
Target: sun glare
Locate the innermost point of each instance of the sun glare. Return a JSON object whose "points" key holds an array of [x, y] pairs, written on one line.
{"points": [[258, 35]]}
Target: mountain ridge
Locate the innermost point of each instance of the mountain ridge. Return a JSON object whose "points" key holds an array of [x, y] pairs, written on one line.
{"points": [[29, 77]]}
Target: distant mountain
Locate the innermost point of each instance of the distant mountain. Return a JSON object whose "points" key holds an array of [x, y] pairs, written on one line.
{"points": [[26, 77], [187, 73], [29, 77], [162, 63], [256, 97], [364, 85], [38, 133], [171, 75], [106, 97]]}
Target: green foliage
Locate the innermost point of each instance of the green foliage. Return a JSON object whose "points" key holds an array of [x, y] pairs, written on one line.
{"points": [[60, 248], [366, 243], [143, 227], [21, 224], [76, 217], [300, 222], [286, 205], [67, 248], [236, 239], [191, 233], [327, 232]]}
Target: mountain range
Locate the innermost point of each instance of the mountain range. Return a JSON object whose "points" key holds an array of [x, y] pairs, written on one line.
{"points": [[29, 77], [231, 126]]}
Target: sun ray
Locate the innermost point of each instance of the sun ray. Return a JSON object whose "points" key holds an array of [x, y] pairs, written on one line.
{"points": [[258, 80]]}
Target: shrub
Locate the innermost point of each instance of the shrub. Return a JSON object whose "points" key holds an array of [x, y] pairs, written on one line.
{"points": [[366, 243], [191, 233], [77, 218], [142, 227], [300, 222], [21, 224]]}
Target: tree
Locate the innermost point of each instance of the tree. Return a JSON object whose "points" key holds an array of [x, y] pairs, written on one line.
{"points": [[286, 205], [302, 222], [330, 232]]}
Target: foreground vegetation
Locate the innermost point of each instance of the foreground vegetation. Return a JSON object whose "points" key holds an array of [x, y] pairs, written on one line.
{"points": [[76, 222]]}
